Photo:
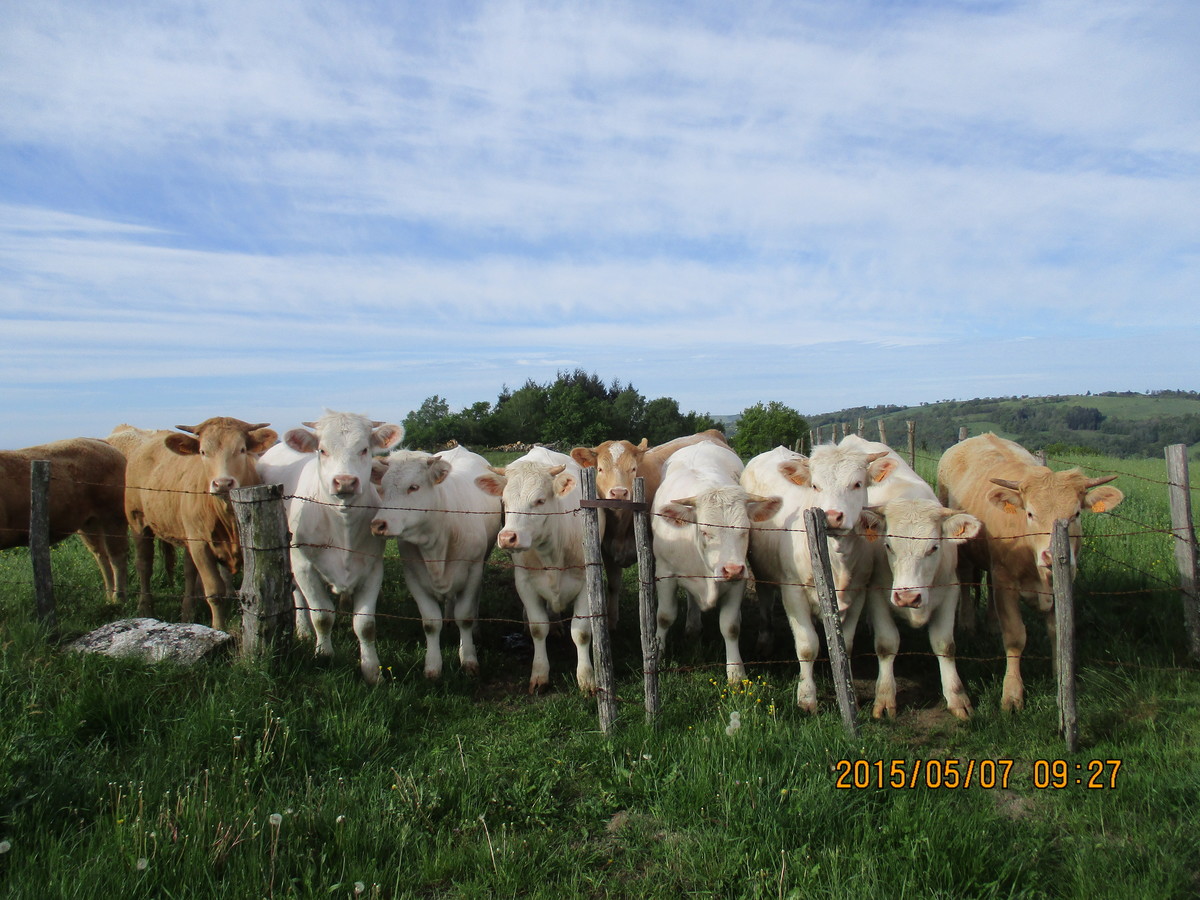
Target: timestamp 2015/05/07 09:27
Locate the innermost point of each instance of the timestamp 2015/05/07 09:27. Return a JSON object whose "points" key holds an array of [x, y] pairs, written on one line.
{"points": [[950, 774]]}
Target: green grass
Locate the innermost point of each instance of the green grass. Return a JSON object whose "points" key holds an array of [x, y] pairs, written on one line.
{"points": [[123, 780]]}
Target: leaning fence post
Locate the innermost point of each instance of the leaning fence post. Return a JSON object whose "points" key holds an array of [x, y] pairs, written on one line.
{"points": [[882, 432], [818, 547], [1064, 621], [1185, 542], [266, 593], [602, 662], [39, 542], [912, 443], [962, 433], [647, 601]]}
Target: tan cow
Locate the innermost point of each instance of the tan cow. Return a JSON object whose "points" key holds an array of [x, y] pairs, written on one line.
{"points": [[617, 463], [126, 438], [1018, 501], [87, 488], [178, 491]]}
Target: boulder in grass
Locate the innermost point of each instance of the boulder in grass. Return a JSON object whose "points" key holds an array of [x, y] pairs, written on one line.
{"points": [[153, 641]]}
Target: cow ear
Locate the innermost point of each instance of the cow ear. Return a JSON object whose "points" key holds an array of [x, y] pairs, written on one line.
{"points": [[1006, 499], [881, 469], [183, 445], [870, 525], [796, 471], [261, 439], [585, 456], [379, 467], [643, 446], [762, 508], [960, 526], [301, 441], [563, 482], [680, 512], [387, 436], [438, 469], [1102, 499], [493, 483]]}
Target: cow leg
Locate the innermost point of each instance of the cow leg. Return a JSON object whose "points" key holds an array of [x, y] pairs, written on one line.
{"points": [[1052, 633], [94, 539], [366, 599], [1012, 627], [431, 618], [143, 547], [799, 614], [613, 575], [887, 645], [968, 594], [731, 630], [215, 587], [190, 588], [318, 602], [854, 599], [539, 627], [304, 627], [667, 608], [581, 634], [767, 595], [117, 543], [941, 640], [694, 624], [466, 613]]}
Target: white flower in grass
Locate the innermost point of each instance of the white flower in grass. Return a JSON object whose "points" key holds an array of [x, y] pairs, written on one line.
{"points": [[142, 864], [359, 887], [5, 846], [341, 820], [275, 819], [735, 722]]}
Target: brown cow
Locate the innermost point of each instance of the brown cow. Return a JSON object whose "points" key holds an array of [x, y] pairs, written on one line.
{"points": [[1018, 501], [178, 491], [617, 463], [125, 438], [87, 488]]}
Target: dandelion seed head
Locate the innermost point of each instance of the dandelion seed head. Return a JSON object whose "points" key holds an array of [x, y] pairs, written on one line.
{"points": [[275, 819], [142, 864], [5, 846]]}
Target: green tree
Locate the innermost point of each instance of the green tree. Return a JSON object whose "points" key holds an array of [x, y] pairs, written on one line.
{"points": [[428, 427], [762, 427]]}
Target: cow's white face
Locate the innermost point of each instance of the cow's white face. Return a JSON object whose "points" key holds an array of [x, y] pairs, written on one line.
{"points": [[408, 494], [534, 497], [921, 538], [1043, 498], [345, 445], [719, 520], [616, 465], [228, 449], [838, 477]]}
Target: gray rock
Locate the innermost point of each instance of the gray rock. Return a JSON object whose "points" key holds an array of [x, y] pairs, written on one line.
{"points": [[151, 641]]}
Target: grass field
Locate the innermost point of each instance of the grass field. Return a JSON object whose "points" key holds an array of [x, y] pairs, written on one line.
{"points": [[123, 780]]}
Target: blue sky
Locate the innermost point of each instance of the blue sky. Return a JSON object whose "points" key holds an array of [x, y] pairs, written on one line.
{"points": [[263, 210]]}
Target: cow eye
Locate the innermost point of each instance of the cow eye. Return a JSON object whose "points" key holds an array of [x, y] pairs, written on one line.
{"points": [[887, 545], [857, 485], [540, 501], [324, 452], [932, 550], [413, 487], [817, 489]]}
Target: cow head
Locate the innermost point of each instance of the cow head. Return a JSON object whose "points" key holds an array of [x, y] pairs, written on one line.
{"points": [[228, 449], [921, 538], [533, 494], [616, 464], [345, 445], [838, 477], [408, 493]]}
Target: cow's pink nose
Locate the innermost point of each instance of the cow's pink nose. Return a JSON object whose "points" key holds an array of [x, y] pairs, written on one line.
{"points": [[222, 485], [506, 540], [904, 599], [835, 518], [618, 493], [378, 526], [732, 571], [345, 484]]}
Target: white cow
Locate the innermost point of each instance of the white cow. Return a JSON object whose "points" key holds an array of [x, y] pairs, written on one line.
{"points": [[445, 529], [701, 525], [834, 479], [327, 473], [921, 539], [543, 527]]}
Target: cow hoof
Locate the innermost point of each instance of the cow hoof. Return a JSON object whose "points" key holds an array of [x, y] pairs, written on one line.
{"points": [[961, 712], [1012, 704], [370, 674], [471, 668], [882, 709], [433, 674], [537, 686]]}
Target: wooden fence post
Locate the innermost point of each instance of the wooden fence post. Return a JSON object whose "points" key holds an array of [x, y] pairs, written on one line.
{"points": [[912, 443], [818, 546], [1064, 622], [1185, 542], [862, 426], [266, 593], [647, 602], [602, 662], [962, 433], [882, 432], [39, 542]]}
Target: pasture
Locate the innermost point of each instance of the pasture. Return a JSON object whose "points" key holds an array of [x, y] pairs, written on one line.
{"points": [[122, 780]]}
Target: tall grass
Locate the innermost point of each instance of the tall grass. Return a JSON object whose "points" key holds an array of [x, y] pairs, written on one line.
{"points": [[124, 780]]}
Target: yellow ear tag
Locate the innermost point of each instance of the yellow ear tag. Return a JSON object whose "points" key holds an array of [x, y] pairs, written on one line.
{"points": [[871, 534], [1099, 506], [1010, 508]]}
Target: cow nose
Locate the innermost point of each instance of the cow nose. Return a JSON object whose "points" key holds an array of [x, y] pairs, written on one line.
{"points": [[1047, 558], [906, 599], [506, 540], [378, 526], [345, 484], [834, 518], [732, 571], [618, 493], [222, 485]]}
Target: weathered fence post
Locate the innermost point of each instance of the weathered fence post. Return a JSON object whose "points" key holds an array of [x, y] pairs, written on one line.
{"points": [[602, 662], [1064, 622], [962, 433], [39, 542], [862, 426], [818, 546], [1185, 542], [266, 593], [912, 443], [647, 601], [812, 439], [882, 432]]}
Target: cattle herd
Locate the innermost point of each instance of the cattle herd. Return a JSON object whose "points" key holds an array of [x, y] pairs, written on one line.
{"points": [[896, 548]]}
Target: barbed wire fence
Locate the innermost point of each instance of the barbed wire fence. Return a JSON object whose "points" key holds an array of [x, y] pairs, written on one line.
{"points": [[268, 609]]}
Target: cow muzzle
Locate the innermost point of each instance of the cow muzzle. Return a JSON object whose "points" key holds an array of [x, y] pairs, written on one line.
{"points": [[379, 527], [222, 485], [730, 572], [907, 599], [507, 540], [618, 493], [345, 485]]}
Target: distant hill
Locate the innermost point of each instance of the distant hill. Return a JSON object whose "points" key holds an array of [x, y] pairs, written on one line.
{"points": [[1113, 424]]}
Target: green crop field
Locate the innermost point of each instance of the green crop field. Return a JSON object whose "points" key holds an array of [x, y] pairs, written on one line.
{"points": [[124, 780]]}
